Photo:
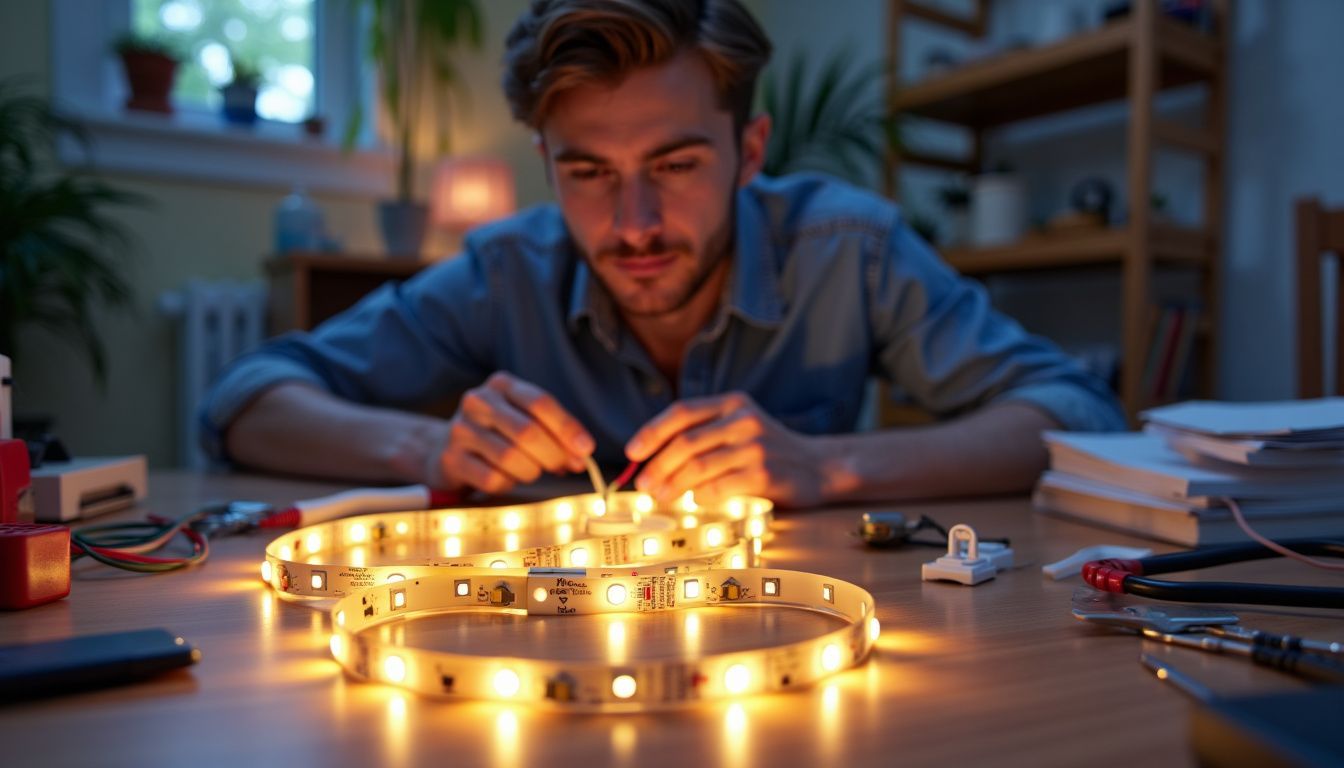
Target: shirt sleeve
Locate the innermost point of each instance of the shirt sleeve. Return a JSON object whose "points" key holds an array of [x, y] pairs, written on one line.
{"points": [[404, 345], [939, 339]]}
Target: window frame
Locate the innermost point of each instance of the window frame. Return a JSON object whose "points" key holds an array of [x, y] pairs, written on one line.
{"points": [[197, 144]]}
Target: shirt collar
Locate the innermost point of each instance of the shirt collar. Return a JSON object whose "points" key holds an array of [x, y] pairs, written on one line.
{"points": [[753, 293]]}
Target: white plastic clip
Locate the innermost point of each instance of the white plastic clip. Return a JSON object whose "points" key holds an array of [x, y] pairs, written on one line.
{"points": [[963, 562]]}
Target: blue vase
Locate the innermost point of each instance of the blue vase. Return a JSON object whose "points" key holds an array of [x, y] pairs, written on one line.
{"points": [[240, 104], [403, 225]]}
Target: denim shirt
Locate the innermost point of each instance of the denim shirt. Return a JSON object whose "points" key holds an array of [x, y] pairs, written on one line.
{"points": [[829, 287]]}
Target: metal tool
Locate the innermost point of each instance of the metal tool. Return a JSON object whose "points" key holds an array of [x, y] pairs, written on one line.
{"points": [[1104, 608]]}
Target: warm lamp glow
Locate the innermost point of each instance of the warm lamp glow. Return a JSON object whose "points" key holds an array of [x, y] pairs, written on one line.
{"points": [[471, 190]]}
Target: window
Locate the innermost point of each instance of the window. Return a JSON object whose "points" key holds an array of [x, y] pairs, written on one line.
{"points": [[308, 54], [272, 37]]}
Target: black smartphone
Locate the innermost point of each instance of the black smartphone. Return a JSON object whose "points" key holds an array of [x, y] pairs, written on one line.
{"points": [[34, 670]]}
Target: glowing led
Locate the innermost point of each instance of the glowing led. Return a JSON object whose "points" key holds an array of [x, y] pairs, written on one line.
{"points": [[358, 556], [737, 678], [395, 577], [452, 547], [564, 512], [644, 503], [452, 524], [650, 546], [539, 595], [623, 687], [564, 533], [336, 646], [735, 509], [512, 521], [462, 587], [506, 682], [399, 598], [510, 542], [770, 587], [402, 527], [599, 508], [313, 542], [737, 561], [714, 536], [340, 618], [689, 521], [498, 564], [756, 546], [830, 657], [318, 580], [578, 556], [286, 553], [616, 594], [266, 570], [828, 593], [394, 669], [874, 629], [756, 528], [688, 501], [358, 532], [690, 588]]}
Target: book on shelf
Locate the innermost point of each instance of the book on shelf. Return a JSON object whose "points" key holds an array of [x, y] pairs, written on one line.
{"points": [[1172, 330], [1177, 521]]}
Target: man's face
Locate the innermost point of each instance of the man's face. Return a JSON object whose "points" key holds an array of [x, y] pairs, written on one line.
{"points": [[645, 173]]}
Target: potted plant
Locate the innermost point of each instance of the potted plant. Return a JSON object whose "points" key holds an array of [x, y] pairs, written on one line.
{"points": [[411, 42], [150, 66], [240, 94], [61, 255], [834, 121]]}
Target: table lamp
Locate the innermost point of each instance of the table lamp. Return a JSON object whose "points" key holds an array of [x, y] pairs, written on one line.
{"points": [[469, 191]]}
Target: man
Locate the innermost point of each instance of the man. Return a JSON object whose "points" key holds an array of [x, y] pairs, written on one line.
{"points": [[673, 309]]}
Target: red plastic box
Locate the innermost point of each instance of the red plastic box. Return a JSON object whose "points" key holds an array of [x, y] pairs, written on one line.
{"points": [[34, 564]]}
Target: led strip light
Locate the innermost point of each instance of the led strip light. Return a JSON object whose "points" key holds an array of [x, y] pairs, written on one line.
{"points": [[635, 558]]}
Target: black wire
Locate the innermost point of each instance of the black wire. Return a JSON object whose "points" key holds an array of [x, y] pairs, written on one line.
{"points": [[1231, 591], [1226, 554]]}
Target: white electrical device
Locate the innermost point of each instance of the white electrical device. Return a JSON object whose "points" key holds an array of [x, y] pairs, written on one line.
{"points": [[83, 488]]}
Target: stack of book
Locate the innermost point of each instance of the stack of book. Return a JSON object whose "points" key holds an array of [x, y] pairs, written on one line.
{"points": [[1282, 463]]}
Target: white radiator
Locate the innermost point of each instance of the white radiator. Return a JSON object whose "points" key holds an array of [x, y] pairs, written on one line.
{"points": [[217, 321]]}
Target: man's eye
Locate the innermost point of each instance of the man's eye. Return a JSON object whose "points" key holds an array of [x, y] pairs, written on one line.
{"points": [[586, 174], [680, 166]]}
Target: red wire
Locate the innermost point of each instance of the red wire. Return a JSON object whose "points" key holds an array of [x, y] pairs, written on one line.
{"points": [[625, 476]]}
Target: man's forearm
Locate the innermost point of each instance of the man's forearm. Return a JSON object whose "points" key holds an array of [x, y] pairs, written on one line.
{"points": [[296, 428], [993, 450]]}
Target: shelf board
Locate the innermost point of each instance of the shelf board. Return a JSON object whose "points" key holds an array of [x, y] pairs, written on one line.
{"points": [[1170, 244], [1084, 70]]}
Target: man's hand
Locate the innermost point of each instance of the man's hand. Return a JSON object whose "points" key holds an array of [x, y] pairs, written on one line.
{"points": [[507, 432], [726, 445]]}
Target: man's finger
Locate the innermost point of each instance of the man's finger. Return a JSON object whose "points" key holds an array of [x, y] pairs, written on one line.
{"points": [[674, 420], [520, 429], [505, 455], [683, 449], [705, 468], [540, 405]]}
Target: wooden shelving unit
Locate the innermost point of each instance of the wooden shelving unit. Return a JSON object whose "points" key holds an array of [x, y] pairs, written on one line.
{"points": [[1132, 59]]}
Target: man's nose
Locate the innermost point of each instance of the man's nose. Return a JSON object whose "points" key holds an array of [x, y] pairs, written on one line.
{"points": [[638, 218]]}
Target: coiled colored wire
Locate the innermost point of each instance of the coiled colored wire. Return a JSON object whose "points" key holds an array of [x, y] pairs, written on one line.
{"points": [[124, 545]]}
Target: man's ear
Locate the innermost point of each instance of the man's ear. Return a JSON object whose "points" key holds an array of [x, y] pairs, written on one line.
{"points": [[755, 138]]}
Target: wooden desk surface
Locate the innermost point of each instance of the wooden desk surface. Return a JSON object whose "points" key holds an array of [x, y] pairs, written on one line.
{"points": [[996, 674]]}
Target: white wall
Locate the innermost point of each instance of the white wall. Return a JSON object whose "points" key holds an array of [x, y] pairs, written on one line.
{"points": [[1286, 139]]}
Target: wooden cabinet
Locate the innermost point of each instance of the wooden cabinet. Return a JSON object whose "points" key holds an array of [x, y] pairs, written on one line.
{"points": [[307, 288], [1132, 60]]}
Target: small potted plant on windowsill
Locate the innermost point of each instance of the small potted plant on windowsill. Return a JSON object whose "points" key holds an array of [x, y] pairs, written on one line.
{"points": [[151, 67], [240, 94]]}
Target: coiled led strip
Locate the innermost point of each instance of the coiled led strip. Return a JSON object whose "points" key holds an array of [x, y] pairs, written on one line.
{"points": [[661, 560]]}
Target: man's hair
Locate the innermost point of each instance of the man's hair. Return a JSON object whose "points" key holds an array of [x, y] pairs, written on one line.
{"points": [[558, 45]]}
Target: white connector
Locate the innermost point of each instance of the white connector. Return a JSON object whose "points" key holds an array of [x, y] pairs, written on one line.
{"points": [[967, 560]]}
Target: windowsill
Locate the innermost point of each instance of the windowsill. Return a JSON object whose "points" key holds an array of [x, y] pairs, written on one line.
{"points": [[199, 146]]}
